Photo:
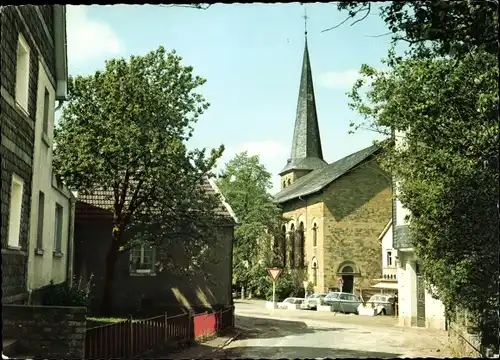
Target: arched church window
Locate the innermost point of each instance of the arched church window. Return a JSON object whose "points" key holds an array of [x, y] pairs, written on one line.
{"points": [[315, 234], [315, 273], [284, 184], [291, 238], [300, 245], [289, 181], [283, 246]]}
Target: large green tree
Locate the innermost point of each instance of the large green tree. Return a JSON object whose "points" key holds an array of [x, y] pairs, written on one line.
{"points": [[124, 130], [438, 27], [443, 115], [246, 183]]}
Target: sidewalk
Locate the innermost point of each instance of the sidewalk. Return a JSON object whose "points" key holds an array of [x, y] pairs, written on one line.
{"points": [[204, 350]]}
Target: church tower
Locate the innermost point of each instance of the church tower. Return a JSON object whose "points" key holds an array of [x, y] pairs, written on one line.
{"points": [[306, 154]]}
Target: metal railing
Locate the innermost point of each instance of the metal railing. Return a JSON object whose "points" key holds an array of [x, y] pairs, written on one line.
{"points": [[130, 338]]}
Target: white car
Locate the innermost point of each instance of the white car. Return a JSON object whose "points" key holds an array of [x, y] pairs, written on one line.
{"points": [[290, 303], [384, 304], [312, 301]]}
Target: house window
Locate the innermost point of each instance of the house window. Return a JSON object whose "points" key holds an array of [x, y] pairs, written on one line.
{"points": [[41, 212], [22, 73], [16, 201], [46, 108], [315, 234], [142, 259], [58, 228], [389, 258]]}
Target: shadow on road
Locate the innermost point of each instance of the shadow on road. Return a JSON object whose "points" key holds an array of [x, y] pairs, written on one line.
{"points": [[294, 352], [282, 352], [259, 328]]}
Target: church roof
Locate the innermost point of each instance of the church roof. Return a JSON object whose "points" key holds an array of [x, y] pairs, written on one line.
{"points": [[306, 153], [316, 180]]}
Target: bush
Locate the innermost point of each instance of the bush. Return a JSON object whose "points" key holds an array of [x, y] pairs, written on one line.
{"points": [[62, 295], [284, 287]]}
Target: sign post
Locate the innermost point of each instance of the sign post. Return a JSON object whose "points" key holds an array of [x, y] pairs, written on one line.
{"points": [[305, 283], [274, 273], [341, 282]]}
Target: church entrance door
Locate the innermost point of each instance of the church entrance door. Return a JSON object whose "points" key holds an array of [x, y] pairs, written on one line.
{"points": [[347, 286]]}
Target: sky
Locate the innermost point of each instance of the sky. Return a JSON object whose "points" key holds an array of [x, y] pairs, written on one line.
{"points": [[251, 56]]}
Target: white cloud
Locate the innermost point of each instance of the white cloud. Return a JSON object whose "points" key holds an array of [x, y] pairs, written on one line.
{"points": [[89, 40], [338, 79]]}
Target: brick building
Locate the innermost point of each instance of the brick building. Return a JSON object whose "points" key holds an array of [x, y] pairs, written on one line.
{"points": [[33, 78], [337, 211]]}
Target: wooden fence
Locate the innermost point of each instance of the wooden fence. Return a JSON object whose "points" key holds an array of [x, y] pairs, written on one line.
{"points": [[130, 338]]}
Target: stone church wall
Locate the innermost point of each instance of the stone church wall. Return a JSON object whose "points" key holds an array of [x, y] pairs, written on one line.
{"points": [[357, 208]]}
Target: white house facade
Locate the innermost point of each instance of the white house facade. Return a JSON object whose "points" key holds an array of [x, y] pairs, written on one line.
{"points": [[389, 281], [416, 305], [52, 204]]}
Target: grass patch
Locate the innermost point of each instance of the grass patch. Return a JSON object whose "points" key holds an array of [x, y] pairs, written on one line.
{"points": [[106, 320], [100, 321]]}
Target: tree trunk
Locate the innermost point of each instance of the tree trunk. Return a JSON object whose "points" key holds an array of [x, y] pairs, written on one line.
{"points": [[110, 266]]}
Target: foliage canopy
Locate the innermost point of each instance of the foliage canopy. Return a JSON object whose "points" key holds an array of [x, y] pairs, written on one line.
{"points": [[124, 130]]}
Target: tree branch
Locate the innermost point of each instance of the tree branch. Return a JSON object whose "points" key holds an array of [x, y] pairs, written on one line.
{"points": [[380, 35], [191, 6], [366, 8], [336, 26]]}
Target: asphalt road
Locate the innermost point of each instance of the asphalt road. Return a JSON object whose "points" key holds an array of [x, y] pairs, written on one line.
{"points": [[309, 334]]}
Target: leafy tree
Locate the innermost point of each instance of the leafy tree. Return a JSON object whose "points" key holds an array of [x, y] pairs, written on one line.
{"points": [[444, 114], [245, 184], [439, 27], [125, 130]]}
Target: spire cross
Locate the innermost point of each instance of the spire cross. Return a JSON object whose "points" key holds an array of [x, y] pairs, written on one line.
{"points": [[305, 17]]}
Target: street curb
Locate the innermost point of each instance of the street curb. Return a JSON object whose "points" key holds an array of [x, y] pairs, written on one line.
{"points": [[229, 341], [226, 343]]}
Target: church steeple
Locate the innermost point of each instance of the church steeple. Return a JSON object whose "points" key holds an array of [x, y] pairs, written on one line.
{"points": [[306, 154]]}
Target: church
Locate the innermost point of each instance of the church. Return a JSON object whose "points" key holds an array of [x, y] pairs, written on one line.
{"points": [[335, 212]]}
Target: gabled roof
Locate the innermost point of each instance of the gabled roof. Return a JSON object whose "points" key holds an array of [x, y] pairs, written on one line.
{"points": [[387, 227], [101, 202], [318, 179]]}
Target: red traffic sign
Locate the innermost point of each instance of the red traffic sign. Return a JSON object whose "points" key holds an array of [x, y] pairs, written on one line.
{"points": [[341, 281], [274, 273]]}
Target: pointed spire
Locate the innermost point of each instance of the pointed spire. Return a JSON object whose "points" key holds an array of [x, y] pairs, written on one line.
{"points": [[307, 153]]}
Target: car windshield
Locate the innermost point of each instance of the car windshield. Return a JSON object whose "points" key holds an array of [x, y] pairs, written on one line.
{"points": [[332, 296], [288, 300], [377, 298]]}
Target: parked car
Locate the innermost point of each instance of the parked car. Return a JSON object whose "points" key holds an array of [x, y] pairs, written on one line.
{"points": [[383, 303], [285, 304], [343, 302], [312, 301]]}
